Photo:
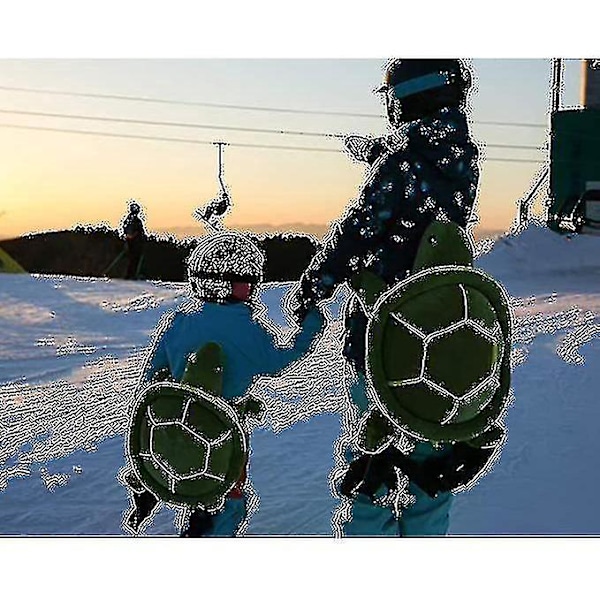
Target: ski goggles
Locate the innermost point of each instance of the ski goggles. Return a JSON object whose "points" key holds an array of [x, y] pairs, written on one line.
{"points": [[417, 84]]}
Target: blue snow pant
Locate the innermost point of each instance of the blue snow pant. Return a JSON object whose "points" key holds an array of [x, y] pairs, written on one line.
{"points": [[226, 522], [425, 517]]}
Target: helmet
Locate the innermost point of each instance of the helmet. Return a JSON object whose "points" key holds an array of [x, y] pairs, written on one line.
{"points": [[418, 87], [134, 208], [220, 260]]}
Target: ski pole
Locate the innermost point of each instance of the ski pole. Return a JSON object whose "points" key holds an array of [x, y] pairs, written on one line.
{"points": [[139, 267], [113, 263]]}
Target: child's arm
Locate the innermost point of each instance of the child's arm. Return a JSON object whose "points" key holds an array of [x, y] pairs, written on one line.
{"points": [[310, 327]]}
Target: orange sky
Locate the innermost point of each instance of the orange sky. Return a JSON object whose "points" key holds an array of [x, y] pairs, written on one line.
{"points": [[51, 180]]}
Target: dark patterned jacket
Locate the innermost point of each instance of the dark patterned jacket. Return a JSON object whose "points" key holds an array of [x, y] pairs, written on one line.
{"points": [[434, 175]]}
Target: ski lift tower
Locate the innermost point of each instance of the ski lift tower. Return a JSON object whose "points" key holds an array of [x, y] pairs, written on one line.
{"points": [[575, 160]]}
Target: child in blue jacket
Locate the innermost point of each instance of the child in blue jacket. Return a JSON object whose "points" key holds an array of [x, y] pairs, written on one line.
{"points": [[223, 273]]}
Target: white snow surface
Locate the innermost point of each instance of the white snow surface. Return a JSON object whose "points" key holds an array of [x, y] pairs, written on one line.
{"points": [[71, 351]]}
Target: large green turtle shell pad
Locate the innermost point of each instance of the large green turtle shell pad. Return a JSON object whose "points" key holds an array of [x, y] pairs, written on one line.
{"points": [[439, 353], [186, 445]]}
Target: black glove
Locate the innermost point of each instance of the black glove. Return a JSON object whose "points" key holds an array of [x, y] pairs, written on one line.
{"points": [[298, 303], [364, 149], [299, 311], [143, 504], [250, 406], [457, 468]]}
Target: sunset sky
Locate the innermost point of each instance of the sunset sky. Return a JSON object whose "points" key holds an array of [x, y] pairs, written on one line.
{"points": [[54, 180]]}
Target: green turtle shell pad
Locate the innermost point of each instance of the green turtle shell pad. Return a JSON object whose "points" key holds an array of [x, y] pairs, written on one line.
{"points": [[439, 353], [187, 446]]}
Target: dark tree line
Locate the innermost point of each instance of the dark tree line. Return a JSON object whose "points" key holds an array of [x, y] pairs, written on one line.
{"points": [[90, 251]]}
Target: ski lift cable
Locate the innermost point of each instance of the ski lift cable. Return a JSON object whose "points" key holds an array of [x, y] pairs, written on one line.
{"points": [[208, 142], [190, 103], [239, 106], [163, 139], [168, 123], [199, 125], [205, 126]]}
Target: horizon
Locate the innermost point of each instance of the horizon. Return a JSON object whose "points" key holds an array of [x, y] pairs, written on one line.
{"points": [[313, 230]]}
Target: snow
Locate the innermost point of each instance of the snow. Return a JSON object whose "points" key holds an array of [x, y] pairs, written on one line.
{"points": [[71, 350]]}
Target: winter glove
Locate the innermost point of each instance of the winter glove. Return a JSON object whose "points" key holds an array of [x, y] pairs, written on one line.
{"points": [[249, 406], [162, 375], [299, 310], [364, 149], [143, 505], [302, 300], [459, 467]]}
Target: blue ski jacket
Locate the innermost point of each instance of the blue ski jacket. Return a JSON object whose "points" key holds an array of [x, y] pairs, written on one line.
{"points": [[248, 347]]}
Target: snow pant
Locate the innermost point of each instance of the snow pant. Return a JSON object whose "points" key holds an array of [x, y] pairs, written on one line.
{"points": [[226, 522], [135, 249], [427, 516]]}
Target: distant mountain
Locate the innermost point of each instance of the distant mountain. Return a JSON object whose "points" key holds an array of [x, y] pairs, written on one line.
{"points": [[99, 251], [314, 229], [481, 233], [317, 230]]}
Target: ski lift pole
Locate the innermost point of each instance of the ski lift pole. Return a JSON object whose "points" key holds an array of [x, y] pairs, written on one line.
{"points": [[525, 204], [557, 68], [220, 173], [555, 103], [139, 266]]}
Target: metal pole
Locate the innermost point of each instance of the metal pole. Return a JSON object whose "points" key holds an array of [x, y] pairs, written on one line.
{"points": [[221, 182], [525, 204], [108, 269], [557, 68]]}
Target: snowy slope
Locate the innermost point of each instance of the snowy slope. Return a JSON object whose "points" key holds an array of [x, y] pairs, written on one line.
{"points": [[546, 482], [71, 349]]}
